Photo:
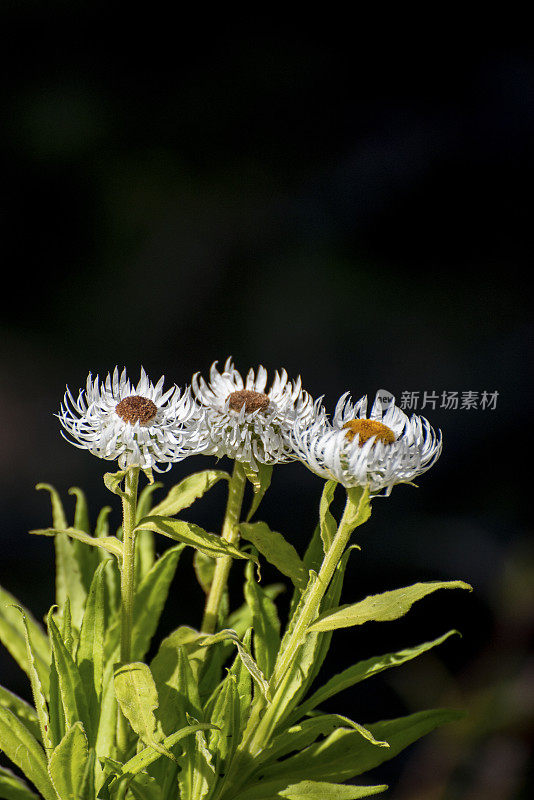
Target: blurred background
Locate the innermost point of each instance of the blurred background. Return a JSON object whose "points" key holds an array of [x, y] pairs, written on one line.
{"points": [[349, 203]]}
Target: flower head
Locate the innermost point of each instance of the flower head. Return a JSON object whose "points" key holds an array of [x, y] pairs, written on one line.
{"points": [[378, 450], [244, 421], [137, 425]]}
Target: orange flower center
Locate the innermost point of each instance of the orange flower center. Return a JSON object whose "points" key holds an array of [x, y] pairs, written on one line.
{"points": [[136, 409], [253, 401], [366, 428]]}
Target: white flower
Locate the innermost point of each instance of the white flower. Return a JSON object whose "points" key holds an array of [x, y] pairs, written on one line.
{"points": [[139, 426], [242, 420], [379, 451]]}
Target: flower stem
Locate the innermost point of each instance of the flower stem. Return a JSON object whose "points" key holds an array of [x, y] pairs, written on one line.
{"points": [[129, 512], [230, 533], [264, 717]]}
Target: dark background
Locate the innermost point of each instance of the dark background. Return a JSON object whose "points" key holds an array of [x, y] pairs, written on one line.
{"points": [[345, 201]]}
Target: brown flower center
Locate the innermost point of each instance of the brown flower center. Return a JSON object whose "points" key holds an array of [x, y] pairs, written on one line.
{"points": [[253, 401], [367, 428], [136, 409]]}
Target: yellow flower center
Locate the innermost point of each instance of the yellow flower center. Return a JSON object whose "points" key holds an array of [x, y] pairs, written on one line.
{"points": [[253, 401], [136, 409], [367, 428]]}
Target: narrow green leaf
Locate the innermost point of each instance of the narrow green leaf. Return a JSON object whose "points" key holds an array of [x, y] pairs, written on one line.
{"points": [[345, 753], [276, 550], [13, 637], [107, 723], [102, 524], [55, 708], [69, 582], [71, 687], [192, 535], [265, 623], [150, 599], [298, 737], [147, 756], [66, 626], [138, 698], [327, 523], [381, 607], [38, 694], [13, 788], [25, 752], [319, 790], [59, 520], [245, 656], [22, 710], [86, 557], [204, 569], [88, 787], [90, 653], [68, 763], [187, 491], [113, 480], [358, 508], [108, 543], [227, 717], [260, 480], [81, 512], [363, 670]]}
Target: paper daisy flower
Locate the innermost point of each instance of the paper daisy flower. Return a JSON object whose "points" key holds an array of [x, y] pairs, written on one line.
{"points": [[138, 426], [242, 420], [379, 450]]}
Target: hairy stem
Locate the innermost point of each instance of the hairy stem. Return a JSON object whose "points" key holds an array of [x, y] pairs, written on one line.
{"points": [[129, 512], [230, 533]]}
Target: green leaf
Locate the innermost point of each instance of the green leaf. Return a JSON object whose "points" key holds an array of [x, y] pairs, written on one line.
{"points": [[68, 763], [363, 670], [226, 716], [13, 788], [298, 737], [265, 623], [327, 523], [90, 653], [319, 790], [260, 480], [102, 524], [147, 756], [150, 598], [71, 686], [244, 654], [107, 723], [345, 753], [276, 550], [358, 509], [192, 535], [138, 698], [37, 691], [59, 520], [13, 637], [22, 710], [187, 491], [176, 684], [113, 480], [108, 543], [87, 558], [204, 570], [25, 752], [381, 607], [69, 581]]}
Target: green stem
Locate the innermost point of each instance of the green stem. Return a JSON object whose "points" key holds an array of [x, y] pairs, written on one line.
{"points": [[263, 717], [129, 513], [230, 533]]}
